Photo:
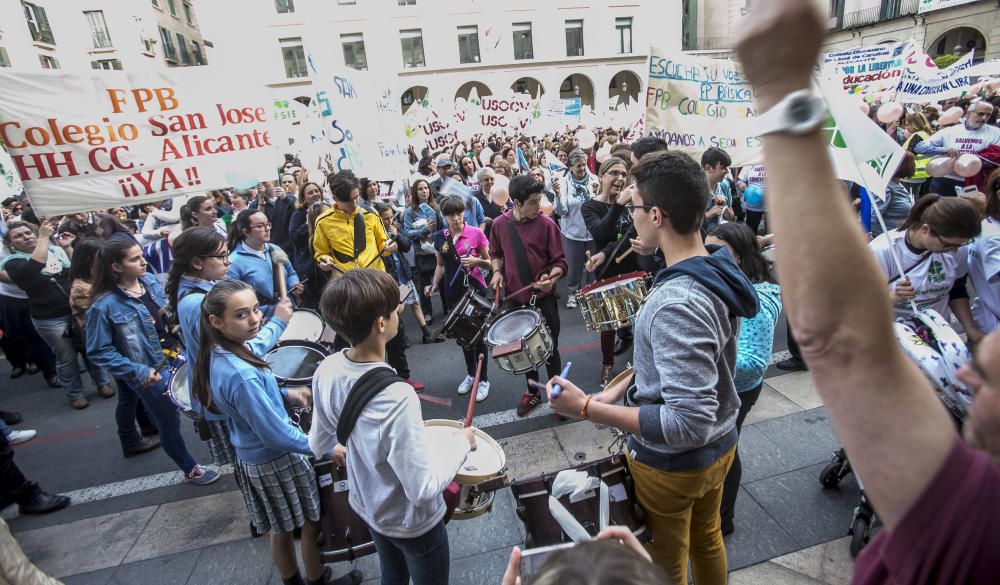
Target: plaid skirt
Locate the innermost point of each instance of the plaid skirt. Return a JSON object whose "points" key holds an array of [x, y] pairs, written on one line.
{"points": [[220, 446], [281, 494]]}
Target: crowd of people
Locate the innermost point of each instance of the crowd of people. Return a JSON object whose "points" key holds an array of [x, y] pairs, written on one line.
{"points": [[216, 278]]}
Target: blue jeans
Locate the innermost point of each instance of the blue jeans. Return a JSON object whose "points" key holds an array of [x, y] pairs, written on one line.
{"points": [[424, 558], [945, 187], [164, 414], [54, 333]]}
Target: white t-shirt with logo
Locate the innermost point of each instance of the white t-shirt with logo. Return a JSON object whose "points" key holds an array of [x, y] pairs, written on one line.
{"points": [[754, 175], [963, 140], [984, 273], [932, 277]]}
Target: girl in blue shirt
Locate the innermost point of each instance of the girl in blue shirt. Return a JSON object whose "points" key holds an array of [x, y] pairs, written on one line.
{"points": [[127, 334], [251, 260], [753, 346], [280, 491]]}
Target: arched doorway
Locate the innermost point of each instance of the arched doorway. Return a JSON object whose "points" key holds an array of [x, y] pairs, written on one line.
{"points": [[624, 86], [528, 85], [578, 85], [465, 91], [416, 93], [959, 40]]}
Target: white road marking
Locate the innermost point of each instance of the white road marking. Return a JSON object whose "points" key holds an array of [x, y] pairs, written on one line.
{"points": [[160, 480]]}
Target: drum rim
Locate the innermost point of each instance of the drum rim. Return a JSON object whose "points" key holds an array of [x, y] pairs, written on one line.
{"points": [[322, 349], [170, 390], [472, 478], [611, 279], [489, 338]]}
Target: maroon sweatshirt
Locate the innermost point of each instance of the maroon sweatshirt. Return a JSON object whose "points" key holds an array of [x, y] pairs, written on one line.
{"points": [[542, 244]]}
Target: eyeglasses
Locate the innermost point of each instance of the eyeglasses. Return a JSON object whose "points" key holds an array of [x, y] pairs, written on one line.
{"points": [[219, 256], [631, 207], [617, 174], [946, 247], [262, 226]]}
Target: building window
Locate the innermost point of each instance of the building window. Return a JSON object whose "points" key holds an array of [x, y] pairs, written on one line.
{"points": [[522, 40], [294, 56], [98, 29], [48, 62], [188, 13], [413, 48], [172, 6], [624, 28], [354, 51], [182, 45], [4, 59], [38, 23], [196, 53], [284, 6], [468, 44], [407, 2], [107, 64], [574, 38], [169, 51]]}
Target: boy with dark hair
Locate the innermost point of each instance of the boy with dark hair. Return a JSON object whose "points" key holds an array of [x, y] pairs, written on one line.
{"points": [[527, 253], [395, 484], [681, 413], [716, 163]]}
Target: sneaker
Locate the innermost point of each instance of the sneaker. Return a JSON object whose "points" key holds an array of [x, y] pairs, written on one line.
{"points": [[79, 403], [571, 302], [144, 445], [201, 475], [106, 391], [53, 382], [792, 364], [466, 385], [16, 437], [528, 403], [483, 391], [417, 386]]}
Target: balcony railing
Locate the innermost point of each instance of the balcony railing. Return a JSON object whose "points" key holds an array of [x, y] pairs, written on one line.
{"points": [[887, 11]]}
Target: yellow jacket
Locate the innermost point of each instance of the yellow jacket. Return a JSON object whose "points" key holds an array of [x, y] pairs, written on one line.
{"points": [[334, 239]]}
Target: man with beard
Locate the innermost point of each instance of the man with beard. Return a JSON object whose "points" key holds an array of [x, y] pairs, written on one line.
{"points": [[968, 138]]}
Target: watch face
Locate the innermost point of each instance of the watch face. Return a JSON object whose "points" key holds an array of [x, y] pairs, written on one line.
{"points": [[800, 111]]}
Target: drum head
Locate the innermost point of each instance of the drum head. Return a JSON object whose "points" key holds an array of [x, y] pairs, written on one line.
{"points": [[180, 388], [610, 282], [295, 362], [513, 326], [304, 324], [486, 462]]}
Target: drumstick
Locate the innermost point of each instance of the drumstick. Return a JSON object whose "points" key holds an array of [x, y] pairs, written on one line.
{"points": [[557, 388], [496, 297], [459, 271], [475, 390], [619, 259], [278, 259]]}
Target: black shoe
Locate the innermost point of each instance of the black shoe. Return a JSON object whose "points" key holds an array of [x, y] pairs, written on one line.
{"points": [[355, 577], [622, 345], [146, 444], [53, 382], [792, 364], [727, 528], [43, 503], [10, 418]]}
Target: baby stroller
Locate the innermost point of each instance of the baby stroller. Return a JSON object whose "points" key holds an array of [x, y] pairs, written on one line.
{"points": [[930, 342]]}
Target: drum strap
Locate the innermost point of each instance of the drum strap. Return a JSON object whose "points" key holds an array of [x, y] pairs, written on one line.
{"points": [[360, 239], [520, 256], [610, 259], [367, 387]]}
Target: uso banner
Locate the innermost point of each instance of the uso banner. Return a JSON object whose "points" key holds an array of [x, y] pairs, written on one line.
{"points": [[695, 103], [116, 138]]}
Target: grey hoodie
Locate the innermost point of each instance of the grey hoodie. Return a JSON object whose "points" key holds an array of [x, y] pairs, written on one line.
{"points": [[685, 356]]}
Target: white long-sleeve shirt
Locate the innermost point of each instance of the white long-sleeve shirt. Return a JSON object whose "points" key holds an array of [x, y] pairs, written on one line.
{"points": [[961, 139], [395, 483]]}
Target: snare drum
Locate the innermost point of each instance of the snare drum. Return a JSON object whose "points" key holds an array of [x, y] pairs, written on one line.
{"points": [[305, 325], [532, 497], [521, 341], [613, 303], [469, 319], [179, 390], [293, 362], [344, 536], [482, 472]]}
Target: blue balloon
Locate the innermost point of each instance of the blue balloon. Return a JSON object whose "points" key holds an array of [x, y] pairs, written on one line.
{"points": [[753, 196]]}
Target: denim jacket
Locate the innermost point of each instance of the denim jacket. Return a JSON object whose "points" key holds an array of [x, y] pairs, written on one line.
{"points": [[415, 234], [121, 336]]}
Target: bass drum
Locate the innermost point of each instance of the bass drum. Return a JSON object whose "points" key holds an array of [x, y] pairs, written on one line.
{"points": [[344, 535]]}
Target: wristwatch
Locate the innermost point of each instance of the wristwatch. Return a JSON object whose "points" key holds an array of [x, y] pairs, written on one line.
{"points": [[798, 113]]}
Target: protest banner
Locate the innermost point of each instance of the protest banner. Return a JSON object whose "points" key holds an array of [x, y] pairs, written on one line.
{"points": [[868, 71], [941, 84], [10, 182], [932, 5], [694, 103], [513, 113], [361, 120], [83, 142]]}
